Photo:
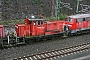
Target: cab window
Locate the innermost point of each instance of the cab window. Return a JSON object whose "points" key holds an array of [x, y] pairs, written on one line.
{"points": [[84, 19], [30, 22], [69, 20], [40, 22], [87, 18], [79, 20]]}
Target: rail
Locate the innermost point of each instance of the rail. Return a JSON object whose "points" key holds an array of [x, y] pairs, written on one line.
{"points": [[57, 53]]}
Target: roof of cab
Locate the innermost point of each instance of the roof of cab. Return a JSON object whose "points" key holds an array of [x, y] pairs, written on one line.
{"points": [[79, 16], [35, 19]]}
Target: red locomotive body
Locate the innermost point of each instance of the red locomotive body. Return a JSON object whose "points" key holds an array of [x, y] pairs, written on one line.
{"points": [[54, 27], [78, 22], [22, 30], [36, 27]]}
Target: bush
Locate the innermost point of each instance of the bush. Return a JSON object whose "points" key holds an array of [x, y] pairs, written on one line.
{"points": [[52, 18], [62, 16], [12, 22]]}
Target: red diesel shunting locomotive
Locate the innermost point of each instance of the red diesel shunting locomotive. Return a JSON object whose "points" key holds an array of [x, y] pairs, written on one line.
{"points": [[74, 24], [35, 27]]}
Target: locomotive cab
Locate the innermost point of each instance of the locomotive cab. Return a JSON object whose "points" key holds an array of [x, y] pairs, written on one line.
{"points": [[71, 22], [36, 26]]}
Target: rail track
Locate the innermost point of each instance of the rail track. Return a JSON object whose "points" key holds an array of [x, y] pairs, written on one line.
{"points": [[49, 55]]}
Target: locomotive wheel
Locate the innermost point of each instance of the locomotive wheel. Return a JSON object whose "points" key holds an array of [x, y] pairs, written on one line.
{"points": [[37, 39]]}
